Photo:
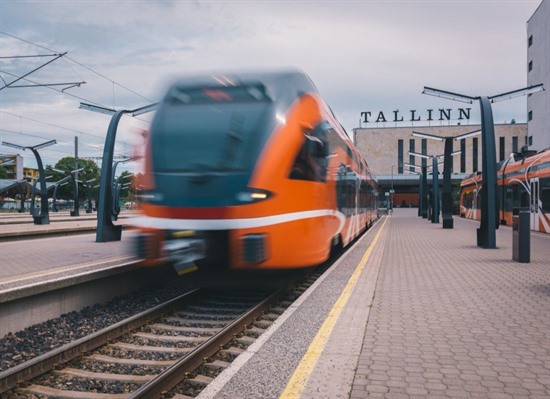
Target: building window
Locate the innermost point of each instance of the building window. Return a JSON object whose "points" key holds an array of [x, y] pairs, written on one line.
{"points": [[530, 67], [530, 42], [474, 155], [530, 116], [463, 156], [399, 156], [501, 148], [411, 157], [514, 143], [530, 140], [425, 152]]}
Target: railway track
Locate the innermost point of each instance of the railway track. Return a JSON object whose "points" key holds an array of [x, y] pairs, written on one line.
{"points": [[172, 350]]}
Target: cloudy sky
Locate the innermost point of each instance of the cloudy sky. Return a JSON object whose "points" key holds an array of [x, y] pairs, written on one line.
{"points": [[362, 55]]}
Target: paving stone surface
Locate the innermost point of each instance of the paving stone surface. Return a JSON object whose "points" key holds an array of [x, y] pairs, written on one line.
{"points": [[452, 320]]}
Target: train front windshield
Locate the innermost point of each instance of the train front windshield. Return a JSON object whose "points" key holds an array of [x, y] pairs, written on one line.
{"points": [[212, 129]]}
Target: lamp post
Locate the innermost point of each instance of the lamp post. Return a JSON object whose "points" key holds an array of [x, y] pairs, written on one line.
{"points": [[422, 188], [44, 217], [434, 198], [58, 184], [447, 193], [106, 230], [486, 233], [74, 177], [391, 190]]}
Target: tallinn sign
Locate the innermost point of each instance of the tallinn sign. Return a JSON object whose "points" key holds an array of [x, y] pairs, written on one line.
{"points": [[442, 114]]}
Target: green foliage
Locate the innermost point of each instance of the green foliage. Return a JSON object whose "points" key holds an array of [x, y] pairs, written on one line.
{"points": [[3, 173], [67, 164]]}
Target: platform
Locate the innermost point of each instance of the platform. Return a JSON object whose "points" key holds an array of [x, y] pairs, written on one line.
{"points": [[17, 226], [412, 310], [51, 254]]}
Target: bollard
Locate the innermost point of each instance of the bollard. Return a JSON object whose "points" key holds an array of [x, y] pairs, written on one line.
{"points": [[521, 235]]}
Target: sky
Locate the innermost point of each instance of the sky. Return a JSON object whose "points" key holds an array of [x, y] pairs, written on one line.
{"points": [[363, 56]]}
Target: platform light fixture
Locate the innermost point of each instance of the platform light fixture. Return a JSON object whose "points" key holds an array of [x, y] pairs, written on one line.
{"points": [[517, 93], [144, 110], [96, 108], [417, 154], [448, 95], [467, 135], [35, 147], [427, 136]]}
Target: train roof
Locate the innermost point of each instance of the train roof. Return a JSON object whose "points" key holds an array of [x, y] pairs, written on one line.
{"points": [[279, 84]]}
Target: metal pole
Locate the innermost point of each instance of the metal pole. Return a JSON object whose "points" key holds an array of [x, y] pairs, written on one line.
{"points": [[486, 233], [391, 191], [76, 208], [424, 191], [420, 195], [44, 217], [106, 231], [447, 195], [435, 191]]}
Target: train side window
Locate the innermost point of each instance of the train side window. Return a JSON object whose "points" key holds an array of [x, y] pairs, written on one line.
{"points": [[508, 199], [311, 162], [516, 195], [545, 194]]}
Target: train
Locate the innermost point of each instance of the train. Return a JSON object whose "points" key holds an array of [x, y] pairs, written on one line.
{"points": [[250, 171], [523, 182]]}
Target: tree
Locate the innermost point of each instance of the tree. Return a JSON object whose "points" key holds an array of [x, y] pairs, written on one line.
{"points": [[3, 173], [90, 171]]}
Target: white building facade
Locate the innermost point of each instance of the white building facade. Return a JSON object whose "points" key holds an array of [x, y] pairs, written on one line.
{"points": [[538, 71]]}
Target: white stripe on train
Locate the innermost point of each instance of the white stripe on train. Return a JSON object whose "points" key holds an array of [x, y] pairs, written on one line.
{"points": [[231, 224]]}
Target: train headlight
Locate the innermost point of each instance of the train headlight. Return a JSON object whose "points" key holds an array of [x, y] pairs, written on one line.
{"points": [[253, 195]]}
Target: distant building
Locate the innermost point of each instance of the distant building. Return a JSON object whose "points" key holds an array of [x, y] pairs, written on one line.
{"points": [[538, 71], [13, 164]]}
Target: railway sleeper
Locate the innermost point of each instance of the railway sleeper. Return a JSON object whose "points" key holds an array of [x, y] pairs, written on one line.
{"points": [[216, 309], [231, 353], [144, 348], [63, 394], [216, 365], [270, 316], [229, 304], [200, 381], [169, 338], [138, 379], [194, 322], [254, 332], [246, 341], [169, 327], [277, 309], [263, 324], [137, 362], [201, 316]]}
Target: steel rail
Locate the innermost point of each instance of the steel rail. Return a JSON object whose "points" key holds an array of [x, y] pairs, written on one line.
{"points": [[176, 373], [39, 365]]}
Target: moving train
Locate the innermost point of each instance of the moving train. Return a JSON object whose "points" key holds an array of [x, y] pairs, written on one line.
{"points": [[250, 171], [523, 182]]}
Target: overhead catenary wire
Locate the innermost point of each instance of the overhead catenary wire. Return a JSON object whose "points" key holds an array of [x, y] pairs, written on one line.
{"points": [[82, 65]]}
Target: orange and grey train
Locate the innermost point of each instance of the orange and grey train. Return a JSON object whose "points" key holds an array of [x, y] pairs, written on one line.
{"points": [[522, 183], [250, 171]]}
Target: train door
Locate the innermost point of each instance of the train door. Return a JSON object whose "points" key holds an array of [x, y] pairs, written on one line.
{"points": [[534, 204]]}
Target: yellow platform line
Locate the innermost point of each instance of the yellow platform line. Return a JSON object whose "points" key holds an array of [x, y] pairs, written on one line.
{"points": [[301, 375]]}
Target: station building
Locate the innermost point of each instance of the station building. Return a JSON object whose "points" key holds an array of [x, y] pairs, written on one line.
{"points": [[387, 152]]}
